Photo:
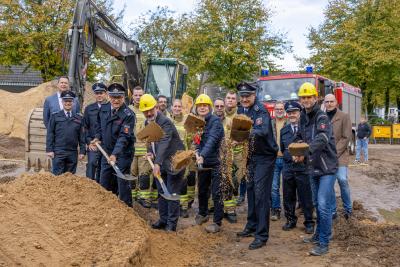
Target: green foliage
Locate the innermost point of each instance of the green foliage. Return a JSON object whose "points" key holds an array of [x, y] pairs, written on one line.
{"points": [[33, 33], [358, 43]]}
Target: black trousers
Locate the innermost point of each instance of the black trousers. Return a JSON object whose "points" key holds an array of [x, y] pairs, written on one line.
{"points": [[210, 180], [297, 183], [64, 161], [261, 171], [169, 209], [122, 188], [93, 166]]}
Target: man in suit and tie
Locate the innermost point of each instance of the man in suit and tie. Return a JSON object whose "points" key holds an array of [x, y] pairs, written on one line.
{"points": [[53, 103], [295, 177], [161, 152]]}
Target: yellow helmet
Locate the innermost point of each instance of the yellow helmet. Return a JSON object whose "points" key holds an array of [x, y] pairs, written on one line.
{"points": [[307, 89], [203, 99], [147, 102]]}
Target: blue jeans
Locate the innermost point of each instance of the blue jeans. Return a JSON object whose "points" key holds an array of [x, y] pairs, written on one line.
{"points": [[362, 144], [341, 176], [325, 193], [276, 184]]}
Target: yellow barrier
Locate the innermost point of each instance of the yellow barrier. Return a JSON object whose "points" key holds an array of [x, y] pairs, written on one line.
{"points": [[396, 130], [382, 131]]}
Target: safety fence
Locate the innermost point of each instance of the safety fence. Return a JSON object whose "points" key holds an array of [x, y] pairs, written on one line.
{"points": [[386, 134]]}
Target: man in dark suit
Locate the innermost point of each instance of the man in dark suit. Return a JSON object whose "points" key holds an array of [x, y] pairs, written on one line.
{"points": [[53, 103], [161, 152], [64, 134]]}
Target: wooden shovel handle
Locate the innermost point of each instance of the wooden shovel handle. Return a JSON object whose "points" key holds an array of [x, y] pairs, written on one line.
{"points": [[152, 167]]}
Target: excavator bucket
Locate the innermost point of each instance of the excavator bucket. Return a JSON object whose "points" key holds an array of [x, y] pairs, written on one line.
{"points": [[35, 142]]}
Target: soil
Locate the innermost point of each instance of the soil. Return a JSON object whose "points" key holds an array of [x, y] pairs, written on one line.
{"points": [[48, 220], [11, 148]]}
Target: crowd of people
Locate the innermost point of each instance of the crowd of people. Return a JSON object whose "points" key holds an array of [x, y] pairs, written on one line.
{"points": [[307, 181]]}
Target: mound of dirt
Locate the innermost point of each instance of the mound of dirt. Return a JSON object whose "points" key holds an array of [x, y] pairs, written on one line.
{"points": [[11, 147], [67, 220], [378, 244]]}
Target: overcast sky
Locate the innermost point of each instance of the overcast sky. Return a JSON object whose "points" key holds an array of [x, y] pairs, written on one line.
{"points": [[291, 16]]}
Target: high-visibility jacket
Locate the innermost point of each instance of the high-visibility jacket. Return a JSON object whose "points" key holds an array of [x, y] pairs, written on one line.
{"points": [[140, 147]]}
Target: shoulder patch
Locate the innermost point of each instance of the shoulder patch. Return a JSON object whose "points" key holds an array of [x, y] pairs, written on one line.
{"points": [[259, 121], [128, 112]]}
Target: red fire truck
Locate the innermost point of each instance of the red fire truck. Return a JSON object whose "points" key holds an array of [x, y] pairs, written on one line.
{"points": [[284, 87]]}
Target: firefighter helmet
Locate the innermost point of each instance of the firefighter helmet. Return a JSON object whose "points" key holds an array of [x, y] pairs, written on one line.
{"points": [[203, 99], [307, 89], [147, 102]]}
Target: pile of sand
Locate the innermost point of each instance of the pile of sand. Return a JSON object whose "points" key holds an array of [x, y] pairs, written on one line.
{"points": [[67, 220], [15, 107]]}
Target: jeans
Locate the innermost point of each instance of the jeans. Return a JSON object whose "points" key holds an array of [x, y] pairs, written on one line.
{"points": [[341, 176], [276, 184], [325, 193], [362, 144]]}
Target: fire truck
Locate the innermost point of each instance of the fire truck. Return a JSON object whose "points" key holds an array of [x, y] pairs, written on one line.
{"points": [[284, 87]]}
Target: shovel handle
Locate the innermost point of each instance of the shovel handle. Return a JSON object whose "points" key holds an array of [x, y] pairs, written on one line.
{"points": [[152, 167], [104, 154]]}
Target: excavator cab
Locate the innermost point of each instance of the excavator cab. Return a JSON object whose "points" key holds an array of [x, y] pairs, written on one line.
{"points": [[166, 76]]}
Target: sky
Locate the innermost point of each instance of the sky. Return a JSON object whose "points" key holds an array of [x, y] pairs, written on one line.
{"points": [[294, 17]]}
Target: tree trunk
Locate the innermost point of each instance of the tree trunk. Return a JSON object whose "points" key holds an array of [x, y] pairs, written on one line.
{"points": [[387, 102], [398, 107]]}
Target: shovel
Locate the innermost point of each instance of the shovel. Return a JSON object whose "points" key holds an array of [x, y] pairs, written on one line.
{"points": [[115, 167], [200, 167], [167, 195]]}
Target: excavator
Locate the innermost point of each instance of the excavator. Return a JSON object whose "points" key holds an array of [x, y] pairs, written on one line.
{"points": [[92, 28]]}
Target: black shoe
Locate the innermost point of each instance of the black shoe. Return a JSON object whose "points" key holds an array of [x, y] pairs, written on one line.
{"points": [[240, 201], [245, 233], [347, 215], [275, 214], [314, 239], [184, 213], [309, 229], [319, 250], [144, 203], [159, 225], [334, 216], [231, 217], [170, 228], [257, 243], [288, 226]]}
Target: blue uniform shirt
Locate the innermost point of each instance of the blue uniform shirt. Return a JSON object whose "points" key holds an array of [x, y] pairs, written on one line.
{"points": [[65, 134]]}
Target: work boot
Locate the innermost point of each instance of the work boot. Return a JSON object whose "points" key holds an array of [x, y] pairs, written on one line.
{"points": [[245, 233], [347, 215], [213, 228], [309, 229], [170, 228], [159, 225], [314, 239], [275, 214], [257, 243], [199, 219], [240, 201], [184, 213], [144, 203], [357, 162], [289, 226], [319, 250], [231, 217]]}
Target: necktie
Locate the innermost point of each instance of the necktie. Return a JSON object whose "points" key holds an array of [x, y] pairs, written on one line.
{"points": [[69, 114], [295, 129], [113, 112]]}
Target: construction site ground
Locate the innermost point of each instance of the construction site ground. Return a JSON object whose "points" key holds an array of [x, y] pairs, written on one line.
{"points": [[69, 220]]}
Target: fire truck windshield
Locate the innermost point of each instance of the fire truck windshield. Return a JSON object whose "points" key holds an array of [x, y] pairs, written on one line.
{"points": [[284, 89]]}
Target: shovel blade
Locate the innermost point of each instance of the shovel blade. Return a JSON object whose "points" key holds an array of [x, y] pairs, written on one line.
{"points": [[167, 195], [119, 174], [171, 197]]}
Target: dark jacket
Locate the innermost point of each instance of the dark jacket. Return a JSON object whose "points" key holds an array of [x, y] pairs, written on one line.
{"points": [[262, 141], [116, 131], [316, 130], [211, 139], [341, 124], [287, 137], [65, 134], [168, 145], [363, 130], [52, 105], [90, 121]]}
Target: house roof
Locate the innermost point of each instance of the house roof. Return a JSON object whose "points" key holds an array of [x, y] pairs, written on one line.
{"points": [[19, 75]]}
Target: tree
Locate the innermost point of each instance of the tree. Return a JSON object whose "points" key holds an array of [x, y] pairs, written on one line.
{"points": [[228, 40], [33, 32]]}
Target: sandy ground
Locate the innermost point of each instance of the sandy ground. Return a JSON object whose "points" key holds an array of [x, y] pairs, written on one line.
{"points": [[370, 238]]}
